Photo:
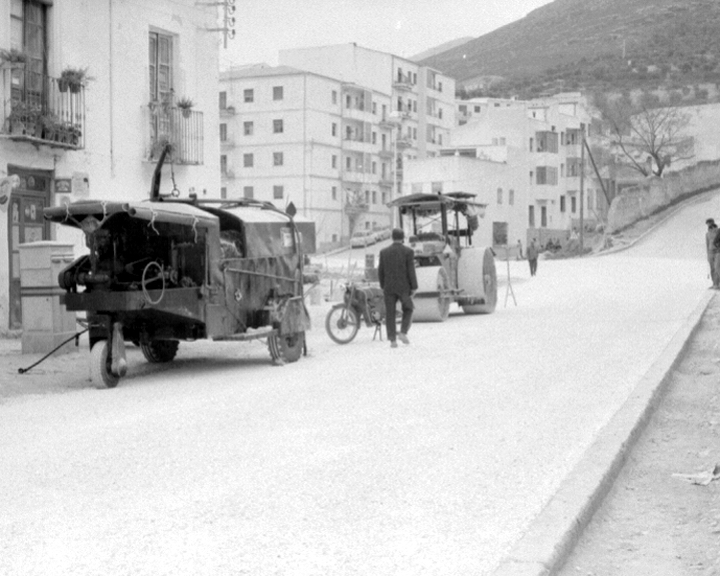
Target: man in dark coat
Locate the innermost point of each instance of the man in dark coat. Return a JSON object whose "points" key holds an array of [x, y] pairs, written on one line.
{"points": [[712, 251], [396, 273], [532, 255]]}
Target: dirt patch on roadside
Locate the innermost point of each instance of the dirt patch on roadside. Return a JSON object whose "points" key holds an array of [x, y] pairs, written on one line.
{"points": [[655, 522]]}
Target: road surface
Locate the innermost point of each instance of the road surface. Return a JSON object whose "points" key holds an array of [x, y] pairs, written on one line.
{"points": [[428, 459]]}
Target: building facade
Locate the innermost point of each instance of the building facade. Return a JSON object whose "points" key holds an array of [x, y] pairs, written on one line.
{"points": [[523, 159], [99, 139], [288, 135]]}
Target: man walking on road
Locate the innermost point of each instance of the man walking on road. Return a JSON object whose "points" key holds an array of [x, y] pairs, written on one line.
{"points": [[396, 273], [532, 255], [712, 250]]}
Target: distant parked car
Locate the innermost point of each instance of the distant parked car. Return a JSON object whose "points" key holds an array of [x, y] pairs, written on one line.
{"points": [[362, 238]]}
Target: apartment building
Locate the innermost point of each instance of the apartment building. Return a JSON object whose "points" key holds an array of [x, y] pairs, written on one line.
{"points": [[99, 138], [324, 144], [422, 100], [523, 159]]}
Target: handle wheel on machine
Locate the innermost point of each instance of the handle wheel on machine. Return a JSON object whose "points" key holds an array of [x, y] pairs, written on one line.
{"points": [[149, 278]]}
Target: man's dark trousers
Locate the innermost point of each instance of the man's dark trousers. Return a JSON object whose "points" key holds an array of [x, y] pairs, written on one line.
{"points": [[391, 300]]}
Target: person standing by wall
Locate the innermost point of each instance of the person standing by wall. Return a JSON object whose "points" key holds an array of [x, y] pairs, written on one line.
{"points": [[396, 273], [532, 256], [712, 251], [519, 250]]}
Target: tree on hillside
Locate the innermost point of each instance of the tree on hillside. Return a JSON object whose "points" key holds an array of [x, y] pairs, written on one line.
{"points": [[649, 136]]}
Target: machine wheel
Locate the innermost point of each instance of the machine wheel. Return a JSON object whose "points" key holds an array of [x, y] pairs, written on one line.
{"points": [[100, 366], [437, 308], [288, 347], [478, 278], [342, 324], [157, 351]]}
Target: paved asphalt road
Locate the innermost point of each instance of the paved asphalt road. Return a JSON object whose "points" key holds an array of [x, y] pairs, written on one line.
{"points": [[359, 459]]}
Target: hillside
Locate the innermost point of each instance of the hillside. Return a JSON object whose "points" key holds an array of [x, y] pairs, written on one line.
{"points": [[444, 47], [594, 44]]}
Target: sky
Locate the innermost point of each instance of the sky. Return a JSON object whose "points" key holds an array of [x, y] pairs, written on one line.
{"points": [[401, 27]]}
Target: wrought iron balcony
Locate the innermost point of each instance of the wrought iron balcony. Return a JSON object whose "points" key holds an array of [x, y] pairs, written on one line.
{"points": [[180, 127], [39, 109]]}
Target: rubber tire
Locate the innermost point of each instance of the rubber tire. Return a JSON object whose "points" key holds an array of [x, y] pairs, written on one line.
{"points": [[333, 319], [287, 348], [159, 351], [100, 373], [432, 279]]}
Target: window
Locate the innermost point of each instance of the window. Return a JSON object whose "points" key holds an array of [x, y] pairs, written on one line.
{"points": [[334, 192], [248, 160], [223, 132], [511, 197], [334, 97], [439, 86], [500, 233], [223, 192], [531, 216], [547, 175], [334, 129], [374, 137], [589, 199], [334, 161], [384, 197], [367, 196], [249, 95], [562, 203], [278, 159], [161, 80], [223, 100], [278, 192], [248, 192], [223, 164], [499, 195], [348, 101], [248, 128], [348, 163], [277, 92], [440, 139], [477, 109], [440, 113], [436, 188], [547, 141], [573, 204], [543, 216], [573, 167], [531, 176], [277, 126], [374, 167], [374, 197]]}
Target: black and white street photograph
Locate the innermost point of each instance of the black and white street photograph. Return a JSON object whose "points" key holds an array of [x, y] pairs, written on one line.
{"points": [[359, 288]]}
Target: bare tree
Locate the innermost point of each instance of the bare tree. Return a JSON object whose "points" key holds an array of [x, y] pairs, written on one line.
{"points": [[649, 136], [355, 206]]}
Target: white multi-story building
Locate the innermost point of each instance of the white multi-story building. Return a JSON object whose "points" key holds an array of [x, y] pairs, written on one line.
{"points": [[522, 159], [100, 141], [288, 135]]}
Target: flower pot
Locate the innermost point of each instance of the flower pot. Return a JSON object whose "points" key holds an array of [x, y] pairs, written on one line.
{"points": [[186, 112], [63, 85]]}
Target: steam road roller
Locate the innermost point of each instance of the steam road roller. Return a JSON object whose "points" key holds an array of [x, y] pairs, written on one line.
{"points": [[449, 267]]}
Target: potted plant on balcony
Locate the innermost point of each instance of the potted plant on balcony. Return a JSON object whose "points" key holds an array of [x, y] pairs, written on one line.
{"points": [[23, 118], [13, 58], [185, 105], [73, 79]]}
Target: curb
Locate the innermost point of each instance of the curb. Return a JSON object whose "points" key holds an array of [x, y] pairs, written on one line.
{"points": [[552, 536]]}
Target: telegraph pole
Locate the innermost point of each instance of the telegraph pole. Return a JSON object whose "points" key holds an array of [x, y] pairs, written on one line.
{"points": [[582, 193]]}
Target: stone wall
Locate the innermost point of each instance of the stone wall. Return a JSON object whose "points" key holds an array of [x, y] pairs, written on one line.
{"points": [[654, 194]]}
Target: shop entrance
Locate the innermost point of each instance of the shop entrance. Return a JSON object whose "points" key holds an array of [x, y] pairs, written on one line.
{"points": [[25, 224]]}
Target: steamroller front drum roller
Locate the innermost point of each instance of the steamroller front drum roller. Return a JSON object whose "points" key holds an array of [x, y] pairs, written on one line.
{"points": [[477, 278], [436, 306]]}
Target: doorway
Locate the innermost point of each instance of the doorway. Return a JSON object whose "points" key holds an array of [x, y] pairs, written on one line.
{"points": [[25, 224]]}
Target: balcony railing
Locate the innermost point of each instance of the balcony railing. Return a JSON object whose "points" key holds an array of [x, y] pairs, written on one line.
{"points": [[181, 128], [402, 82], [37, 109]]}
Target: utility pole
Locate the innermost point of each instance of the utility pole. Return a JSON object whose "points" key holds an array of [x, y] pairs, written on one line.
{"points": [[582, 193]]}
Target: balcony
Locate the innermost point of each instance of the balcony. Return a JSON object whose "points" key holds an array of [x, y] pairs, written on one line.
{"points": [[387, 154], [403, 143], [227, 143], [227, 175], [403, 82], [37, 109], [181, 128], [228, 111]]}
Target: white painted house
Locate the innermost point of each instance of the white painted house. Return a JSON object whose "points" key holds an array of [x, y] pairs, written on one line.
{"points": [[99, 142]]}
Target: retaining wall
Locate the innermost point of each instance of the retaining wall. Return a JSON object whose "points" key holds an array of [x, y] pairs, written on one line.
{"points": [[655, 193]]}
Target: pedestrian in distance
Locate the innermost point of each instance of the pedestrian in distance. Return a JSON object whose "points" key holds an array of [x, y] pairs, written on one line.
{"points": [[532, 256], [519, 250], [712, 251], [396, 273]]}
